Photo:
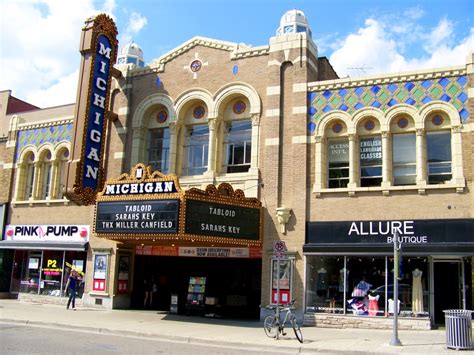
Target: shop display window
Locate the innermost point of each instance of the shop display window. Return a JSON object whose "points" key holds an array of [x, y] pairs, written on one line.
{"points": [[31, 276], [52, 273], [363, 286]]}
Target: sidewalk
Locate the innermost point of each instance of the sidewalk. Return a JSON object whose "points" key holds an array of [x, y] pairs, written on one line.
{"points": [[236, 333]]}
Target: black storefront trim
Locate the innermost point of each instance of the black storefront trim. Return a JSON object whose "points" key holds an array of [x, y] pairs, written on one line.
{"points": [[418, 237], [12, 244], [440, 249]]}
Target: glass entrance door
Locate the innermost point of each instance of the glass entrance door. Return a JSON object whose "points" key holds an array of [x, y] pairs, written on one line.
{"points": [[448, 284]]}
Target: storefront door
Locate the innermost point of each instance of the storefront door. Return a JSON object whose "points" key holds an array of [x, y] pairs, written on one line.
{"points": [[448, 286]]}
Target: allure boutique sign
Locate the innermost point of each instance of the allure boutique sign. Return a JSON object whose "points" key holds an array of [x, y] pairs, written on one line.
{"points": [[441, 233], [99, 51]]}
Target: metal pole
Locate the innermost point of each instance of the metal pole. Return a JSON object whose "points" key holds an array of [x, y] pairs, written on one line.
{"points": [[278, 294], [395, 341]]}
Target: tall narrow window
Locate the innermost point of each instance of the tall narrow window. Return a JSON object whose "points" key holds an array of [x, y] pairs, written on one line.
{"points": [[338, 163], [196, 150], [370, 161], [438, 146], [238, 145], [62, 173], [404, 159], [30, 175], [46, 183], [158, 149]]}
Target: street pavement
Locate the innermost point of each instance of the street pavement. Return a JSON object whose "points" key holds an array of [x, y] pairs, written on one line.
{"points": [[217, 331]]}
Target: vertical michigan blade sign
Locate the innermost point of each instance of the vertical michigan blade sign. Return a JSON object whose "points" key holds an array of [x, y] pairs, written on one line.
{"points": [[98, 54]]}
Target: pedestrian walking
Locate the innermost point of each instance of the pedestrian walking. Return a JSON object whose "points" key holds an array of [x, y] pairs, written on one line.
{"points": [[71, 287]]}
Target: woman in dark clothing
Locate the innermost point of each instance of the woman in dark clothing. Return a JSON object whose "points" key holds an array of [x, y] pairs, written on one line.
{"points": [[148, 287], [71, 287]]}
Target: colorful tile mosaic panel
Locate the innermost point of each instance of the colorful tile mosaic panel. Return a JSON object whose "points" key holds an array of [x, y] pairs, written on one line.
{"points": [[384, 96], [39, 136]]}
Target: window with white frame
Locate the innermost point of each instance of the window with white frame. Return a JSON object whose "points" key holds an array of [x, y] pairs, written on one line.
{"points": [[46, 180], [62, 172], [338, 163], [438, 146], [158, 149], [29, 176], [196, 150], [238, 145], [370, 154], [404, 159]]}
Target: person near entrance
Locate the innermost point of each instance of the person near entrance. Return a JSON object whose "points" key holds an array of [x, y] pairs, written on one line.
{"points": [[148, 284], [71, 287]]}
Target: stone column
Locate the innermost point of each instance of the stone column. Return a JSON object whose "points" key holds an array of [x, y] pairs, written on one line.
{"points": [[421, 172], [255, 143], [319, 164], [353, 161], [386, 161], [174, 128], [211, 155], [456, 153]]}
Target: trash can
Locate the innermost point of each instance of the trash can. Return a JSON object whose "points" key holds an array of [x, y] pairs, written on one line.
{"points": [[458, 329]]}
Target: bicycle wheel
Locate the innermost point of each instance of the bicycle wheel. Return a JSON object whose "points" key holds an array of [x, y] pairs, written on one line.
{"points": [[297, 329], [270, 325]]}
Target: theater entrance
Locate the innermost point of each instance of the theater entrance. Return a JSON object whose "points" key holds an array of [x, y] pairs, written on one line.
{"points": [[231, 287]]}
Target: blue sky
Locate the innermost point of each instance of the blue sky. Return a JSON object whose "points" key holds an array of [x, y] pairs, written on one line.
{"points": [[40, 38]]}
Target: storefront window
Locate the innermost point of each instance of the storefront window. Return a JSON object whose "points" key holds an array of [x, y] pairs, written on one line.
{"points": [[325, 284], [30, 277], [338, 163], [363, 286], [52, 273], [370, 161], [404, 159]]}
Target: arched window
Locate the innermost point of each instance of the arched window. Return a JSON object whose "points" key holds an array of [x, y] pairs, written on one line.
{"points": [[158, 149], [29, 176], [238, 146], [46, 175], [62, 174], [196, 149]]}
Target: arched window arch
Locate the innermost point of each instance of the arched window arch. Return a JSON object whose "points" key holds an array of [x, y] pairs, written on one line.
{"points": [[62, 158]]}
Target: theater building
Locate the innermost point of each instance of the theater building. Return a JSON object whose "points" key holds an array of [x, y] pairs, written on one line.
{"points": [[216, 150]]}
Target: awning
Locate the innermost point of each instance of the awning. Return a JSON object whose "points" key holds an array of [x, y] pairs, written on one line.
{"points": [[13, 244]]}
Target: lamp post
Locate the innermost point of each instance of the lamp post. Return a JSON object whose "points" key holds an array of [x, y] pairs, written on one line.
{"points": [[396, 256]]}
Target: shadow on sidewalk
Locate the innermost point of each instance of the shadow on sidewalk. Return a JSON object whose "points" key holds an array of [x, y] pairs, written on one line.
{"points": [[211, 320]]}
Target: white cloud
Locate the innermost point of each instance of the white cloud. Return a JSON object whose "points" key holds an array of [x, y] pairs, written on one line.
{"points": [[39, 46], [61, 93], [380, 47], [134, 25]]}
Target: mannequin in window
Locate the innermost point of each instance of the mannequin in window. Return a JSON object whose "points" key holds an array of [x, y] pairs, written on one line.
{"points": [[322, 283], [373, 304], [417, 292]]}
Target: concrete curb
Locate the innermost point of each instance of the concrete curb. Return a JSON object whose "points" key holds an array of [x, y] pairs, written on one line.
{"points": [[169, 338]]}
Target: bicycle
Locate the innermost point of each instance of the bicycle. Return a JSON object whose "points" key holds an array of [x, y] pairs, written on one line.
{"points": [[273, 325]]}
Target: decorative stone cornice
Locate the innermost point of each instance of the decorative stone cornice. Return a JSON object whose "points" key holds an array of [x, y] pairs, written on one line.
{"points": [[43, 124], [387, 78]]}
